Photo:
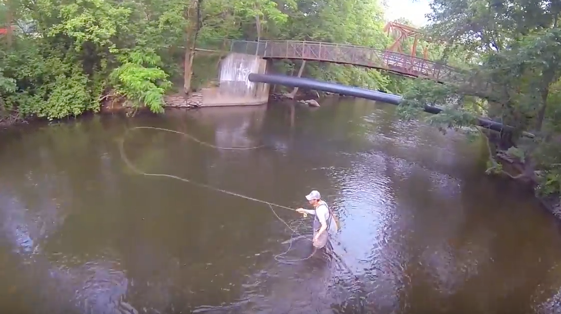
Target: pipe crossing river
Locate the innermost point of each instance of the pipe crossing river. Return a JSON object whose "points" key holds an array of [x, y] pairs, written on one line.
{"points": [[293, 81]]}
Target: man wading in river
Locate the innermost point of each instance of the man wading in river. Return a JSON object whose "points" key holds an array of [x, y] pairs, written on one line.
{"points": [[324, 221]]}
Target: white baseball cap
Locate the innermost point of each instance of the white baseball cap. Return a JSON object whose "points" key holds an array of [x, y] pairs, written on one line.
{"points": [[314, 195]]}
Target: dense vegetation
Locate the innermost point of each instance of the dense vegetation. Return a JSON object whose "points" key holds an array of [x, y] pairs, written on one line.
{"points": [[66, 57], [63, 57], [514, 45]]}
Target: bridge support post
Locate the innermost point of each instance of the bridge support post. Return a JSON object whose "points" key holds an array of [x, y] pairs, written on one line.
{"points": [[295, 89], [234, 88], [270, 70]]}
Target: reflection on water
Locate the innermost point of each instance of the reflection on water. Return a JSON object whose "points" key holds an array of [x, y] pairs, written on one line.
{"points": [[423, 230]]}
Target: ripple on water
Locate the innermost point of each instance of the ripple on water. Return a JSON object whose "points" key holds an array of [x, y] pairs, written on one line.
{"points": [[101, 287], [547, 297], [364, 202]]}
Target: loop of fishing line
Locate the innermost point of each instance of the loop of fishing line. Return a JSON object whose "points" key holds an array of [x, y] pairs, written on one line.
{"points": [[125, 159]]}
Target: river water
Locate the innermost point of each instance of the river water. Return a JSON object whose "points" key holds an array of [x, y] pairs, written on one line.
{"points": [[423, 229]]}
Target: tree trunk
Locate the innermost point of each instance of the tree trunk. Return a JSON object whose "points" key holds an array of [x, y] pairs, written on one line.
{"points": [[541, 113], [547, 78], [295, 90], [258, 27], [9, 22], [188, 71], [192, 16], [222, 53]]}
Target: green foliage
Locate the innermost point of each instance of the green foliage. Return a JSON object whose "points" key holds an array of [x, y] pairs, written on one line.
{"points": [[49, 87], [7, 84], [549, 182], [513, 45], [85, 48], [425, 92], [493, 167], [68, 96], [517, 153], [89, 22], [140, 84]]}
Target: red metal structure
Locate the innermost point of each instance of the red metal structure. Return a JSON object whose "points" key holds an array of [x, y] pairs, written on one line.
{"points": [[391, 61], [4, 30], [401, 33], [396, 62]]}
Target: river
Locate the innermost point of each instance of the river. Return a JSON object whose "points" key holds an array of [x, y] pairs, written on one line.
{"points": [[423, 229]]}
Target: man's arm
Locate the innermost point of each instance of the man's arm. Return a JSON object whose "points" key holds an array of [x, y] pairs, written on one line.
{"points": [[307, 211]]}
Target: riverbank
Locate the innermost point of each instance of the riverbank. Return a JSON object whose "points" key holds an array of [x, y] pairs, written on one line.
{"points": [[552, 203], [112, 103], [194, 100]]}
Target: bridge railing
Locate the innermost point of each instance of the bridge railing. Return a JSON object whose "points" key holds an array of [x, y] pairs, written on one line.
{"points": [[362, 56]]}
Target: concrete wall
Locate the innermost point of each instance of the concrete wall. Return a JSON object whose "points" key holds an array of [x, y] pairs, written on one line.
{"points": [[234, 87]]}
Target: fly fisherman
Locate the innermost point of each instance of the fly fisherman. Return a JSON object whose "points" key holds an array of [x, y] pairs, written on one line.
{"points": [[324, 221]]}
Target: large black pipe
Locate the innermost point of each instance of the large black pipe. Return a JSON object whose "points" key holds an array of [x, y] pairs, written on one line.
{"points": [[357, 92]]}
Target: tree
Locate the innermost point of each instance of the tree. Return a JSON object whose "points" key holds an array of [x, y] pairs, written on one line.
{"points": [[514, 46]]}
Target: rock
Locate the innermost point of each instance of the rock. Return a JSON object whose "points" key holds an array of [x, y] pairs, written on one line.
{"points": [[301, 97], [287, 96], [303, 94], [312, 103], [277, 96], [193, 100], [309, 102], [314, 94]]}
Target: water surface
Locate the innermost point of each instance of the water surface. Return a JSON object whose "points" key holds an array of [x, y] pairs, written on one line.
{"points": [[423, 229]]}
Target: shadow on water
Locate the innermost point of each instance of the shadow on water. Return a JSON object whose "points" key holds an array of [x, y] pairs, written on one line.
{"points": [[423, 230]]}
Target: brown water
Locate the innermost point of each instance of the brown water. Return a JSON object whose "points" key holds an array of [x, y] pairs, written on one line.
{"points": [[423, 230]]}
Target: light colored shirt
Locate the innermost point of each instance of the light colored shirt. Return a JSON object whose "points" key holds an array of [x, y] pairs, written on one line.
{"points": [[322, 214]]}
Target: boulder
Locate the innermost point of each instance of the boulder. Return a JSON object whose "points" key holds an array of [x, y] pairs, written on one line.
{"points": [[312, 103], [309, 102]]}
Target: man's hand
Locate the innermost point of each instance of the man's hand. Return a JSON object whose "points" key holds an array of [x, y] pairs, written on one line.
{"points": [[303, 212], [315, 240]]}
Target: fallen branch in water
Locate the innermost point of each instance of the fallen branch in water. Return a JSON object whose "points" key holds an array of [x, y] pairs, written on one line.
{"points": [[503, 155], [497, 167], [107, 96]]}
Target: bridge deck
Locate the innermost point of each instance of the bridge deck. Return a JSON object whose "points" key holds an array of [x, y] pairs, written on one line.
{"points": [[366, 57]]}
